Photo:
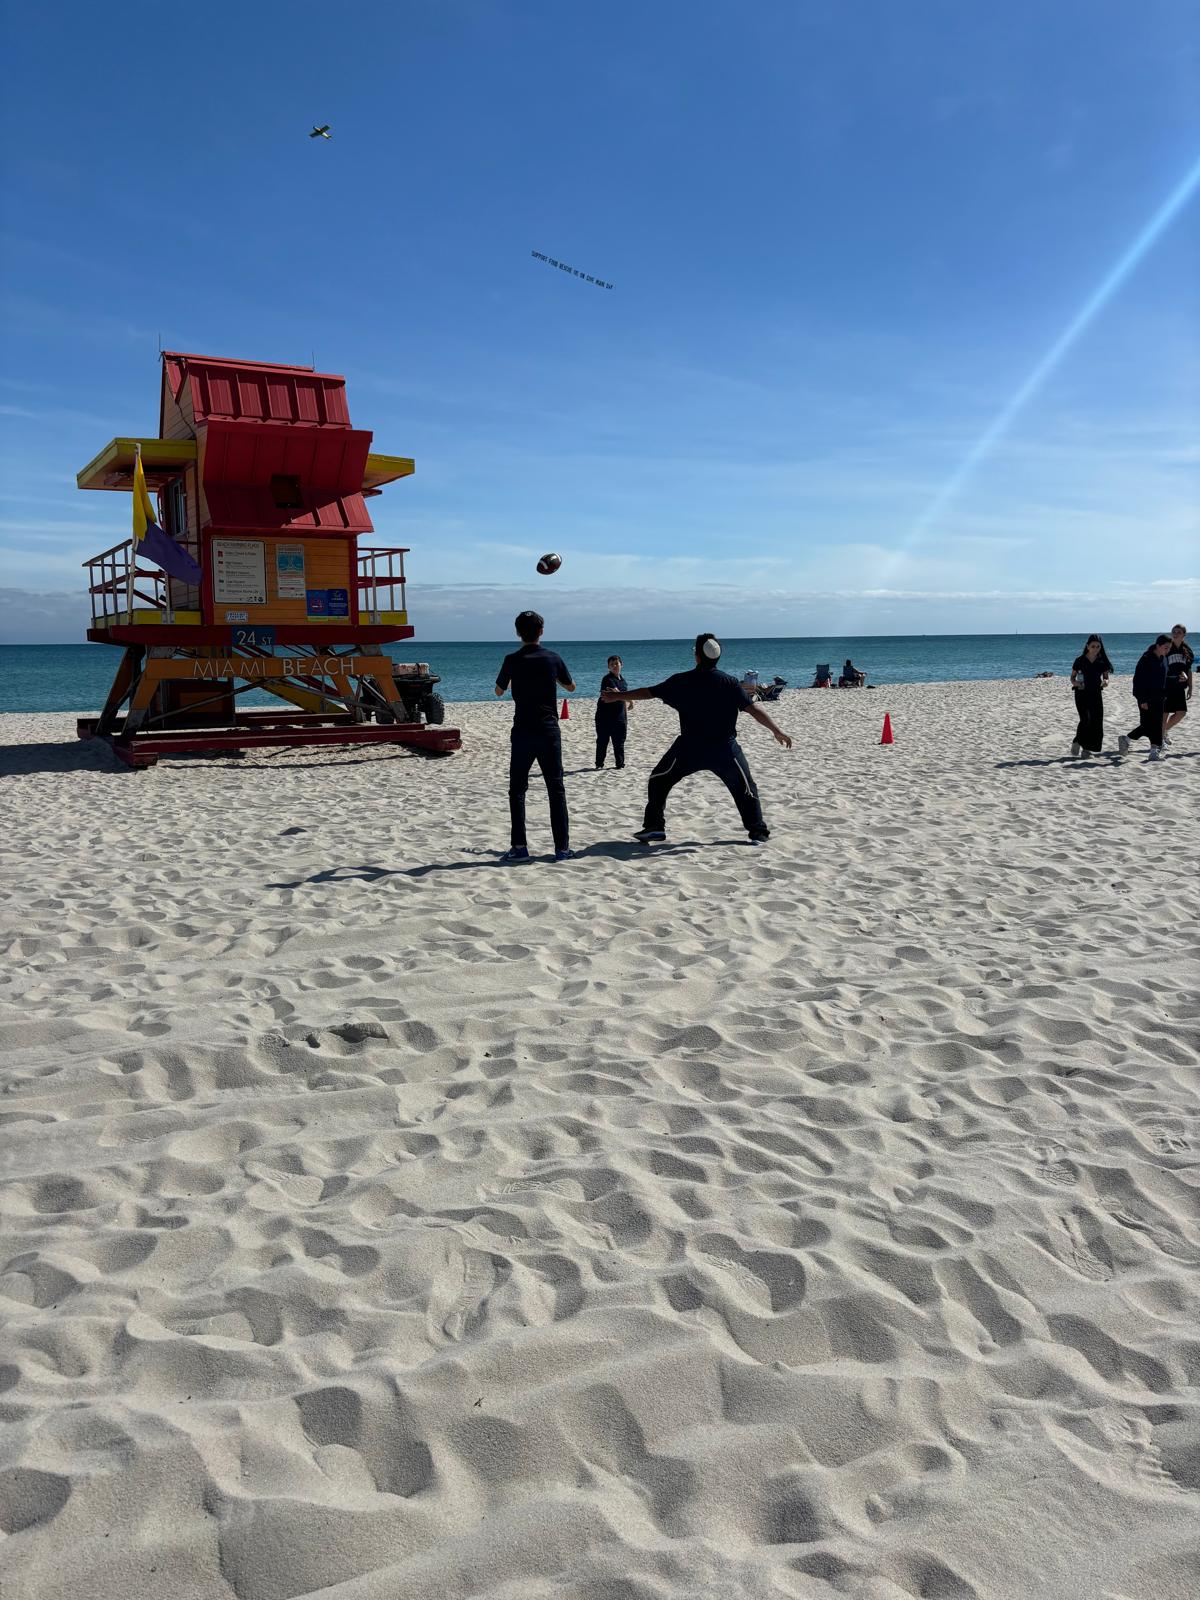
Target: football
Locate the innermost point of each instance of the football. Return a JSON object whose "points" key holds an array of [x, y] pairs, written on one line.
{"points": [[549, 563]]}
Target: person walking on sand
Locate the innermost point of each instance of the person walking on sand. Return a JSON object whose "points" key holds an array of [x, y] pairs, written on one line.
{"points": [[1180, 675], [534, 673], [1150, 692], [611, 717], [708, 703], [1089, 678]]}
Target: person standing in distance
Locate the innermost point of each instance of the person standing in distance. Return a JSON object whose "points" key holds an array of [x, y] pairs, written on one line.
{"points": [[611, 717], [534, 673], [1179, 679], [708, 703], [1089, 679], [1150, 692]]}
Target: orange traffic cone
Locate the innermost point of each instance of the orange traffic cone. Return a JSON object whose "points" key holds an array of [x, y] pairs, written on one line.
{"points": [[565, 714], [887, 729]]}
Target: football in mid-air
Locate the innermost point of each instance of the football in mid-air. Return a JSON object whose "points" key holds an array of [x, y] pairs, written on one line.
{"points": [[549, 563]]}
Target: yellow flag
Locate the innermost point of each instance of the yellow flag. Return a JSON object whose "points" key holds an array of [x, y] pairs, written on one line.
{"points": [[143, 507]]}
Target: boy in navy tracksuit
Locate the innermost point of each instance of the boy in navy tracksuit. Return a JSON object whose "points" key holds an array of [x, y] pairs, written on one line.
{"points": [[611, 717], [1150, 692]]}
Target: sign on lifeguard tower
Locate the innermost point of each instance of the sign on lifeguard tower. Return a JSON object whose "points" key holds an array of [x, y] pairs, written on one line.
{"points": [[245, 571]]}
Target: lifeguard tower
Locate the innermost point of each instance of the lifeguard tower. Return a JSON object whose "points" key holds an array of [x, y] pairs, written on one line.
{"points": [[262, 480]]}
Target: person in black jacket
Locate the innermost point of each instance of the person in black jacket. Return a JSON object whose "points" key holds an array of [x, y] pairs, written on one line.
{"points": [[1150, 692], [708, 703], [1089, 678], [611, 717]]}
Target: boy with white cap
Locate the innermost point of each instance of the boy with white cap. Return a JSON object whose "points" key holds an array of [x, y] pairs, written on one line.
{"points": [[708, 703]]}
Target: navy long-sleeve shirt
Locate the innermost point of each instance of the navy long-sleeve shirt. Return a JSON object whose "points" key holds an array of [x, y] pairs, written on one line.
{"points": [[612, 712]]}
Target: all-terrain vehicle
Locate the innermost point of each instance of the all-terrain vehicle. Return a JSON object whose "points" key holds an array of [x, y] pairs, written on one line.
{"points": [[415, 684]]}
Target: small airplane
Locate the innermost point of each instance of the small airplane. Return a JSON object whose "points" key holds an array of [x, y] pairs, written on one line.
{"points": [[320, 133]]}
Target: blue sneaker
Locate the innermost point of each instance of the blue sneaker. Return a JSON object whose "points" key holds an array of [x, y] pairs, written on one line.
{"points": [[651, 835], [564, 855], [519, 852]]}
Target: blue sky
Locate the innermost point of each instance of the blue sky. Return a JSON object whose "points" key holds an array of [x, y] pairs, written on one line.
{"points": [[842, 236]]}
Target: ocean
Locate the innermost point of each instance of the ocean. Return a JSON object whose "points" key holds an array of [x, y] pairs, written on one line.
{"points": [[76, 677]]}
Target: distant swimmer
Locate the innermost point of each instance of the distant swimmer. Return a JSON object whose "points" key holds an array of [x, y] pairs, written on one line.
{"points": [[320, 133], [708, 703]]}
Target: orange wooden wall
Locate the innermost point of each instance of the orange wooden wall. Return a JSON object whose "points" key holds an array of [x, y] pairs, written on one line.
{"points": [[328, 564]]}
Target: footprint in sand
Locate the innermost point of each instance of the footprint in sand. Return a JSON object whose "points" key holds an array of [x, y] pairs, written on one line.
{"points": [[458, 1295], [1081, 1256], [1119, 1446], [1135, 1449], [1052, 1165], [1137, 1221]]}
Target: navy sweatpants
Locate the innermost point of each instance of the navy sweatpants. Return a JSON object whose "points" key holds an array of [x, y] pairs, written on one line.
{"points": [[610, 729], [724, 761], [545, 747], [1150, 725]]}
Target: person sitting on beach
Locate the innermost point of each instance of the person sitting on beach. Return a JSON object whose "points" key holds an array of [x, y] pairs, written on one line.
{"points": [[1179, 679], [1150, 692], [851, 677], [708, 703], [534, 674]]}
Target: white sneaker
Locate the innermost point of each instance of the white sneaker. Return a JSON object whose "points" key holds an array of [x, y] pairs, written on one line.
{"points": [[1155, 753], [1123, 745], [1076, 750]]}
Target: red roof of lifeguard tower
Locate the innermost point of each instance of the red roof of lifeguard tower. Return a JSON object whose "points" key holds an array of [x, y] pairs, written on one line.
{"points": [[278, 452]]}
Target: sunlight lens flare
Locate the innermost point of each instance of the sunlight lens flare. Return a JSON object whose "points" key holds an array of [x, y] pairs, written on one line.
{"points": [[1083, 319]]}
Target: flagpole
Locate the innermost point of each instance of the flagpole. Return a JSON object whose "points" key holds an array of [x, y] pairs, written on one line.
{"points": [[137, 457]]}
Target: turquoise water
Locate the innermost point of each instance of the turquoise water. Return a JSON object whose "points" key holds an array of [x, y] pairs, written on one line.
{"points": [[76, 677]]}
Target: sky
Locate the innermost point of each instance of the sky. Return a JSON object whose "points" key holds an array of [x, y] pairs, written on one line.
{"points": [[904, 332]]}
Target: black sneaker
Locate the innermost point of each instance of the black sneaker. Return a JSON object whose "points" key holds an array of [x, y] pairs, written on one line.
{"points": [[519, 852], [651, 835], [760, 835]]}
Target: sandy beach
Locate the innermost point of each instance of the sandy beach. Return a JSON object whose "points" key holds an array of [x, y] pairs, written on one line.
{"points": [[381, 1223]]}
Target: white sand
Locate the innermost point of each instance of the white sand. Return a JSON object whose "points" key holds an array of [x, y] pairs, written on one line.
{"points": [[814, 1221]]}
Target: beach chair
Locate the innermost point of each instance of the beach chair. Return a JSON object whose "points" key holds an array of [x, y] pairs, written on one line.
{"points": [[824, 677]]}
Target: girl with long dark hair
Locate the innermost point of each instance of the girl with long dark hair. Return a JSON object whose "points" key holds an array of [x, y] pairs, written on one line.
{"points": [[1089, 677]]}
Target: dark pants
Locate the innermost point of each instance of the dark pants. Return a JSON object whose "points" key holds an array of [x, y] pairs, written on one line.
{"points": [[1151, 725], [543, 745], [1090, 705], [725, 761], [613, 731]]}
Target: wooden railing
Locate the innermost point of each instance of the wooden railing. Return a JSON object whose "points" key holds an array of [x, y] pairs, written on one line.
{"points": [[111, 589], [381, 580]]}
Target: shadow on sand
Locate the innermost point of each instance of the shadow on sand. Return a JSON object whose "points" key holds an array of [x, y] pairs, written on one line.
{"points": [[1110, 758], [608, 849]]}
